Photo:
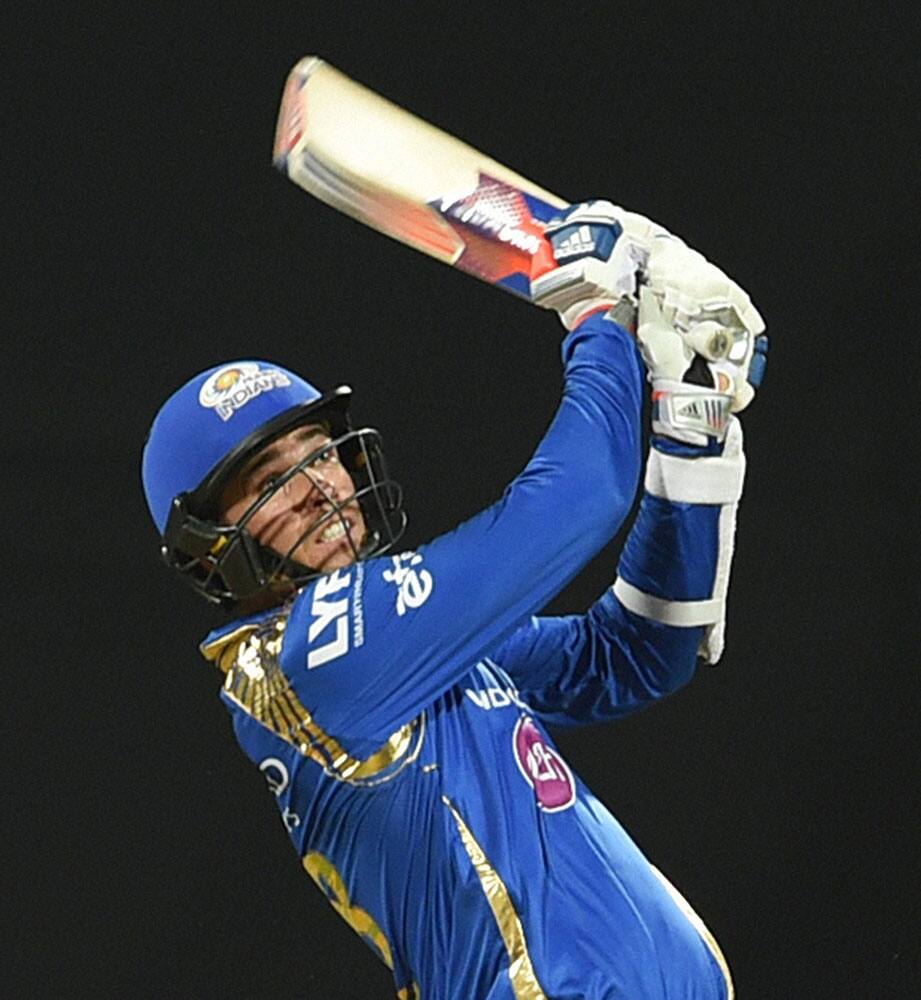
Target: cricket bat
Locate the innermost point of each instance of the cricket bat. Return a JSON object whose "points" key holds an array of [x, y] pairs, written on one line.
{"points": [[380, 164]]}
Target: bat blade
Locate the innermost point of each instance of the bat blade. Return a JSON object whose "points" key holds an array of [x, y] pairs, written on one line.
{"points": [[403, 176]]}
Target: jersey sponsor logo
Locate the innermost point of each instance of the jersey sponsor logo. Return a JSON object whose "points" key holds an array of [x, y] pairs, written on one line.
{"points": [[492, 697], [233, 386], [358, 607], [414, 586], [277, 778], [542, 767], [275, 774], [329, 619]]}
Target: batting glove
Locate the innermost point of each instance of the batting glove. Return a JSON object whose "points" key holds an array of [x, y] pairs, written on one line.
{"points": [[595, 255], [689, 309]]}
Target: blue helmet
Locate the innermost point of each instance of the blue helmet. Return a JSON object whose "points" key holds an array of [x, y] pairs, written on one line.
{"points": [[204, 434]]}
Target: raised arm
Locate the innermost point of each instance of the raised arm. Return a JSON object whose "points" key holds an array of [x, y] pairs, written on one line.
{"points": [[371, 645], [642, 638]]}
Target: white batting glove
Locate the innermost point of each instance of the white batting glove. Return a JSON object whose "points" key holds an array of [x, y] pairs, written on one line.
{"points": [[690, 307], [599, 252]]}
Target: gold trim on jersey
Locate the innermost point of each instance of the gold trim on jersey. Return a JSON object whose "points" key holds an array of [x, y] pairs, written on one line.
{"points": [[701, 928], [520, 970], [253, 679], [333, 887]]}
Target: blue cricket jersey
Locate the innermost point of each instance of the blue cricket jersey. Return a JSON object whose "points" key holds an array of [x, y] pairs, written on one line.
{"points": [[397, 709]]}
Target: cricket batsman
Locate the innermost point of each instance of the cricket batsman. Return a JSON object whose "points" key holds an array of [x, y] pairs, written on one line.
{"points": [[398, 703]]}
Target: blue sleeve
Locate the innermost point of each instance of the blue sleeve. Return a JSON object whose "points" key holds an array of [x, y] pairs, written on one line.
{"points": [[609, 662], [368, 647]]}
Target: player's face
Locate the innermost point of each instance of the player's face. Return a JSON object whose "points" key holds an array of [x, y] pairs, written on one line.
{"points": [[294, 510]]}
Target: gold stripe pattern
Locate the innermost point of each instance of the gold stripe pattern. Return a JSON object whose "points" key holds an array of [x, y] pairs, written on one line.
{"points": [[253, 679], [331, 883], [520, 970], [701, 928]]}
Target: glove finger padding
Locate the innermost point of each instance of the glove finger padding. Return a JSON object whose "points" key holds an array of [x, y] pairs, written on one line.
{"points": [[681, 409], [665, 350], [713, 315], [690, 284]]}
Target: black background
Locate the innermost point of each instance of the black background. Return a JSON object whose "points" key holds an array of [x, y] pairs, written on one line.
{"points": [[148, 237]]}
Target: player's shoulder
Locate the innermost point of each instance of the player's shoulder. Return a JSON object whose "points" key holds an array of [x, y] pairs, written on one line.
{"points": [[321, 606], [244, 638]]}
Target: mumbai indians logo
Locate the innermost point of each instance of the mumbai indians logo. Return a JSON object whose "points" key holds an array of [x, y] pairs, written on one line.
{"points": [[234, 386]]}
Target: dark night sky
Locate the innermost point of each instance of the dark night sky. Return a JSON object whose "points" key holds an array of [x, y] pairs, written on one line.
{"points": [[149, 238]]}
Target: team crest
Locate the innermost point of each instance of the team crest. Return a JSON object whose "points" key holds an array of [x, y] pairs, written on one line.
{"points": [[234, 386]]}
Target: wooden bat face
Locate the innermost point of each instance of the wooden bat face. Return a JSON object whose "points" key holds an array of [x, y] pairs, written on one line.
{"points": [[378, 163]]}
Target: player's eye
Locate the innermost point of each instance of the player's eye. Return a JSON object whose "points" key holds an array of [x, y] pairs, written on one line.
{"points": [[327, 455], [267, 482]]}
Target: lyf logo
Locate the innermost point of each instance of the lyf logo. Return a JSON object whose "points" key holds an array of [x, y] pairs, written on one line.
{"points": [[277, 778], [329, 619], [543, 768], [413, 585]]}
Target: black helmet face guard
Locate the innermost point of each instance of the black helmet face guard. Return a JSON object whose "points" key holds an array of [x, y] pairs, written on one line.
{"points": [[227, 565]]}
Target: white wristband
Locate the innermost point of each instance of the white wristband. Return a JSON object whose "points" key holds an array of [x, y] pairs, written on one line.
{"points": [[708, 479], [683, 614]]}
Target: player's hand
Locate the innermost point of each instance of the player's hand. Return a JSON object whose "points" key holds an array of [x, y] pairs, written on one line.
{"points": [[700, 337], [596, 255]]}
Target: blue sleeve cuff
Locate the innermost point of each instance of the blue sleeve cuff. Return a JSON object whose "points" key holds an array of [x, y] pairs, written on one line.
{"points": [[672, 549], [671, 447]]}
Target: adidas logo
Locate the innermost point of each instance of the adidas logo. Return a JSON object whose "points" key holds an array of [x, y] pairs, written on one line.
{"points": [[690, 409], [580, 242], [710, 411]]}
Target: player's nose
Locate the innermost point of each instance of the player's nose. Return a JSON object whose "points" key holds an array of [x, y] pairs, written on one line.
{"points": [[311, 489]]}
